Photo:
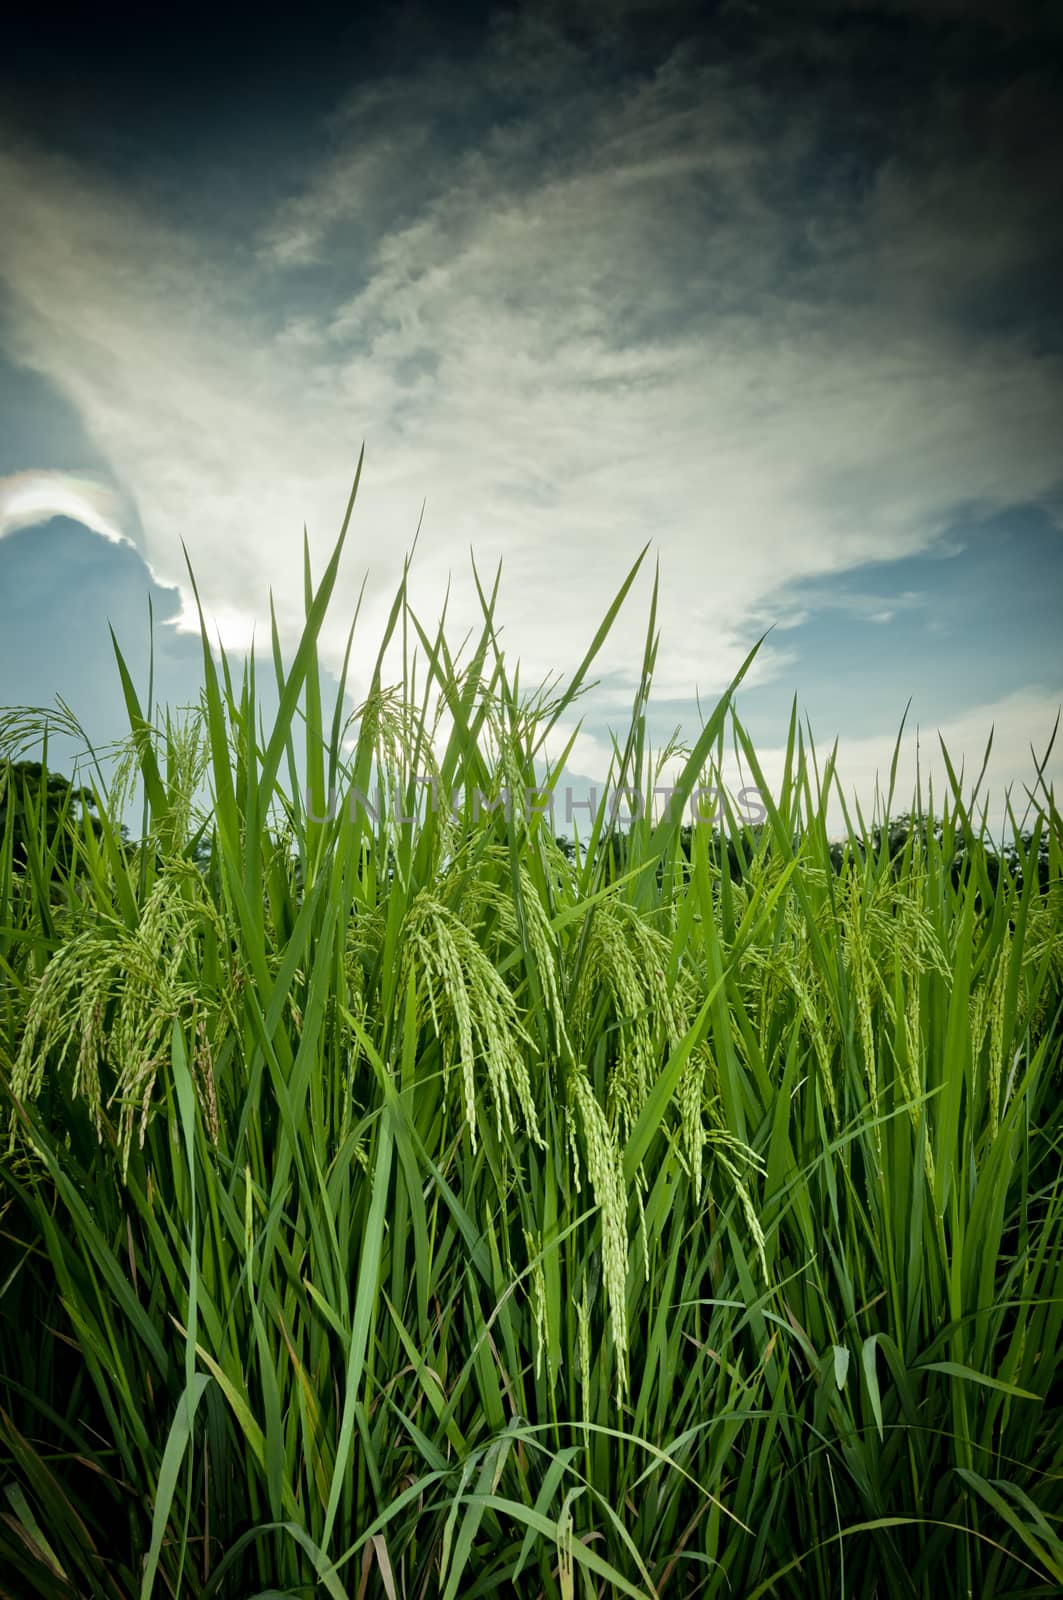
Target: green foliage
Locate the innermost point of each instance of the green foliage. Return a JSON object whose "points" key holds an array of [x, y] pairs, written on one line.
{"points": [[397, 1209], [44, 811]]}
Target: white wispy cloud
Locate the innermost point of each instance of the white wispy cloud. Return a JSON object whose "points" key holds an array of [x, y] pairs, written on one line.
{"points": [[579, 332], [32, 497]]}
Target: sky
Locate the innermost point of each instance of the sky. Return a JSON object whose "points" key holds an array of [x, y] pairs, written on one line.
{"points": [[774, 289]]}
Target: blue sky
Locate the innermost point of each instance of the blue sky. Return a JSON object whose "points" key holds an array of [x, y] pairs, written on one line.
{"points": [[775, 289]]}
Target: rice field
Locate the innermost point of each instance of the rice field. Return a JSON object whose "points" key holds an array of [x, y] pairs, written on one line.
{"points": [[419, 1209]]}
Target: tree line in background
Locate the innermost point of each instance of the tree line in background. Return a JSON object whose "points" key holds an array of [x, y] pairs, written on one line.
{"points": [[30, 792]]}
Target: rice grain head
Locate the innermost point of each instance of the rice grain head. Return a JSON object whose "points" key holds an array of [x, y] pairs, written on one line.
{"points": [[605, 1166], [466, 996]]}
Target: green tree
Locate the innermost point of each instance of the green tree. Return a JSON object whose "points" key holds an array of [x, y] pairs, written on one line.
{"points": [[41, 810]]}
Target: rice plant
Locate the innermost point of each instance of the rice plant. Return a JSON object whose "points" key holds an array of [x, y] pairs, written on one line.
{"points": [[412, 1207]]}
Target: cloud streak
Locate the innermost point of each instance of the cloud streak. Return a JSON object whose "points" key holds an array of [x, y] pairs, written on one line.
{"points": [[30, 498]]}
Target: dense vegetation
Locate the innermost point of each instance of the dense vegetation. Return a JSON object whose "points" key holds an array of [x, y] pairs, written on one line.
{"points": [[395, 1209]]}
